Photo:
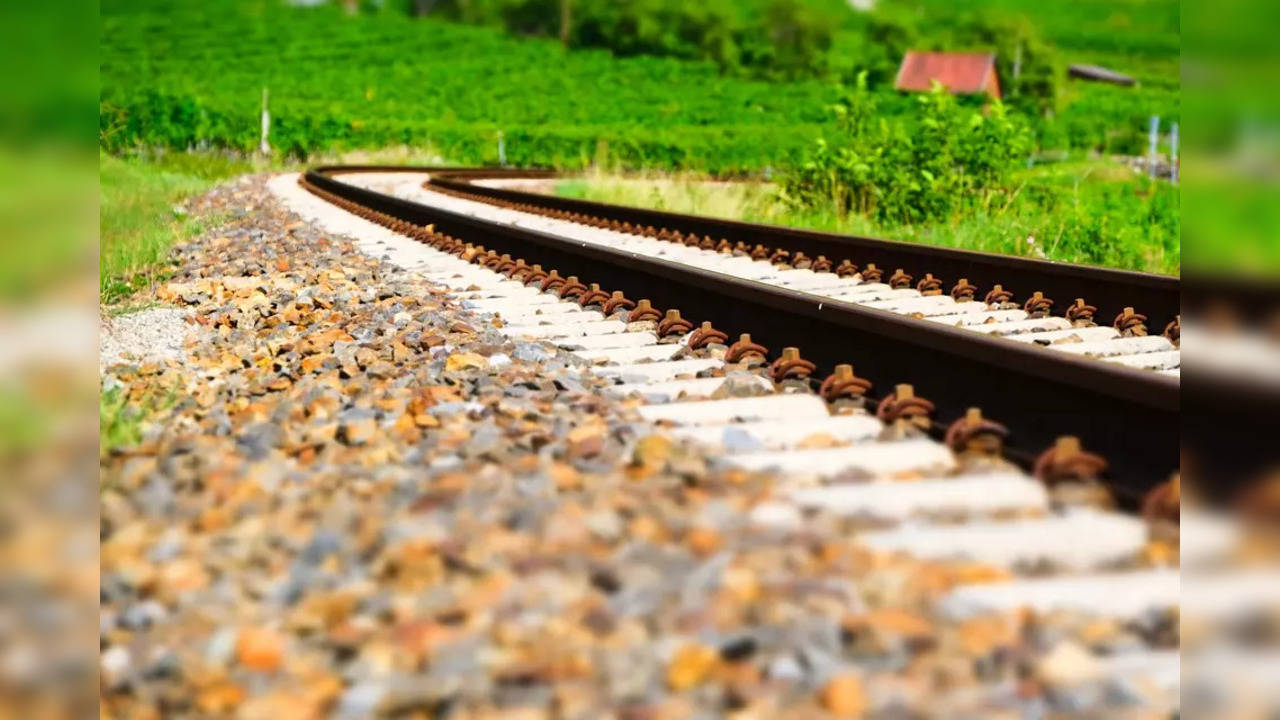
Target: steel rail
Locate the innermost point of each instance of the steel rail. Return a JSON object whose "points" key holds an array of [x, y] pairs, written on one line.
{"points": [[1157, 296], [1129, 416]]}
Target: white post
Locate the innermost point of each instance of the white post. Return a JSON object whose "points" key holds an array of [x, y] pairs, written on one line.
{"points": [[1017, 66], [1153, 136], [263, 147], [502, 150], [1173, 154]]}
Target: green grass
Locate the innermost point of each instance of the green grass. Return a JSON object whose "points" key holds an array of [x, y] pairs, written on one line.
{"points": [[138, 221], [1094, 213], [47, 211], [192, 74], [138, 196], [24, 422]]}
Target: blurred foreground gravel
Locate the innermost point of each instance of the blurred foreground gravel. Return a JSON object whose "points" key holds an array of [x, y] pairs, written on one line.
{"points": [[355, 499]]}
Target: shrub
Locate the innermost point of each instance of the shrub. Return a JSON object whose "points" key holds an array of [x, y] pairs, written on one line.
{"points": [[910, 170]]}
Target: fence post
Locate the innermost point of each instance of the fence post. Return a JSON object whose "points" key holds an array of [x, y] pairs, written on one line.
{"points": [[502, 150], [263, 146], [1173, 154], [1153, 137], [1017, 68]]}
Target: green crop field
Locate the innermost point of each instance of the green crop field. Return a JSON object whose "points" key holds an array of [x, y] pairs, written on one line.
{"points": [[191, 75], [677, 92]]}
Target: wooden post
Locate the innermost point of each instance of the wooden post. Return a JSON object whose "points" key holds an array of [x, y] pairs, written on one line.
{"points": [[566, 22], [263, 146]]}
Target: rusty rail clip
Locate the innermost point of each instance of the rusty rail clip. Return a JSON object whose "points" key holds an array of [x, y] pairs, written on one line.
{"points": [[790, 366]]}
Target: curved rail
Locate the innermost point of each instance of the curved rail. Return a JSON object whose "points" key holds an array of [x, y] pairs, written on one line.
{"points": [[1157, 296], [1130, 416]]}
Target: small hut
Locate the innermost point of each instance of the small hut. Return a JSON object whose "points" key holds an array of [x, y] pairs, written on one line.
{"points": [[960, 73]]}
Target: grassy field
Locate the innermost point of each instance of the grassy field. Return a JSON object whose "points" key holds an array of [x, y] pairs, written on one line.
{"points": [[190, 77], [139, 220], [139, 196], [1101, 214], [47, 209]]}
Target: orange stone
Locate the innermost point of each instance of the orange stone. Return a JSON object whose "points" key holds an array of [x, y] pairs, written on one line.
{"points": [[980, 636], [651, 452], [741, 583], [974, 573], [843, 696], [585, 441], [644, 527], [703, 541], [220, 698], [406, 428], [894, 622], [182, 575], [215, 518], [424, 637], [260, 649], [565, 476], [690, 666]]}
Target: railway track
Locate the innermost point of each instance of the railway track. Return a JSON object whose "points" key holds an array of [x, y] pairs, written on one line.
{"points": [[1156, 296], [902, 482], [1125, 341], [957, 352]]}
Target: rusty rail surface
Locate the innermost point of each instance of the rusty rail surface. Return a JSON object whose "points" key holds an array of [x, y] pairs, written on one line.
{"points": [[1131, 417], [1156, 296]]}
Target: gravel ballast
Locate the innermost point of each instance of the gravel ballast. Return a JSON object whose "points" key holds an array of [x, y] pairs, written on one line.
{"points": [[153, 334], [366, 501]]}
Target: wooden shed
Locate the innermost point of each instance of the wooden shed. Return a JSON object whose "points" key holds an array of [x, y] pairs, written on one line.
{"points": [[960, 73]]}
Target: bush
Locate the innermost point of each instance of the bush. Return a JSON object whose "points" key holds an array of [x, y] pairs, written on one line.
{"points": [[910, 170]]}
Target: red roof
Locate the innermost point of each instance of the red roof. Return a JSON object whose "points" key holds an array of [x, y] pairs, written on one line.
{"points": [[960, 73]]}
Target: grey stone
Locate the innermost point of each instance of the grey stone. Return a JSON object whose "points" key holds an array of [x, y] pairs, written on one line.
{"points": [[530, 352]]}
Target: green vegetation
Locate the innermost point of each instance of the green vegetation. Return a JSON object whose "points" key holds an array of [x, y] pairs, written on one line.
{"points": [[956, 176], [661, 85], [829, 39], [766, 38], [23, 421], [1137, 37], [1232, 226], [47, 212], [921, 168], [138, 219], [191, 76], [1092, 212], [139, 195]]}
